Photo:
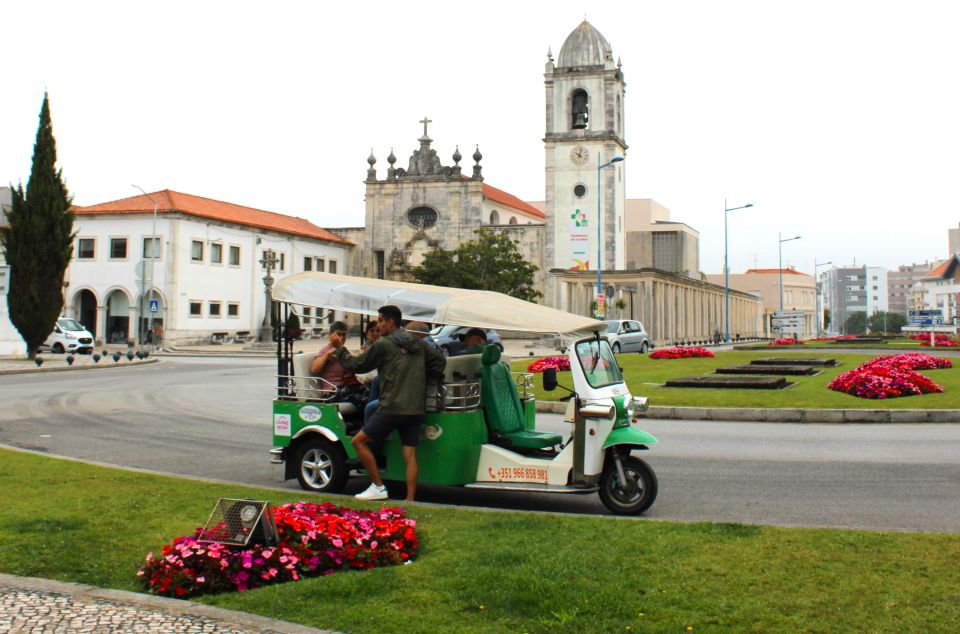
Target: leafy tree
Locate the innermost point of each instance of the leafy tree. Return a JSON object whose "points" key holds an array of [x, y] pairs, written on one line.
{"points": [[38, 241], [856, 323], [490, 262], [882, 321], [826, 318]]}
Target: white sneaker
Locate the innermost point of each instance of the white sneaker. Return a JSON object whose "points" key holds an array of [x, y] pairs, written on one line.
{"points": [[373, 492]]}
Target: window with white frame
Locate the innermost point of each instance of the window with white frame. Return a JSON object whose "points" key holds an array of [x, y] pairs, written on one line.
{"points": [[307, 263], [196, 251], [332, 266], [214, 309], [86, 248], [234, 255], [233, 309], [151, 248], [283, 262], [321, 265], [196, 308], [216, 253], [118, 248]]}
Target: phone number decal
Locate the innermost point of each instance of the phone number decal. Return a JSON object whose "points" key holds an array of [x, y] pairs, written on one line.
{"points": [[518, 473]]}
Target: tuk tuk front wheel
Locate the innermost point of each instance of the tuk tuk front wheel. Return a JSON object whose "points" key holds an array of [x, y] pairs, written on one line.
{"points": [[641, 488], [321, 466]]}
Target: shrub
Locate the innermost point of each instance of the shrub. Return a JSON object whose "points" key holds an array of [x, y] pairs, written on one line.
{"points": [[315, 539], [678, 352], [558, 363], [890, 377], [786, 342]]}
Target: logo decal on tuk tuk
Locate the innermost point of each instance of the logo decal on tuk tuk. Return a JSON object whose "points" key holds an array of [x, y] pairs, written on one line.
{"points": [[310, 413], [432, 432], [281, 424]]}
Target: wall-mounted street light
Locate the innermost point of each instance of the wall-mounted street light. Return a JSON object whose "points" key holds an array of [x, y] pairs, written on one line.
{"points": [[601, 165], [726, 271], [816, 286]]}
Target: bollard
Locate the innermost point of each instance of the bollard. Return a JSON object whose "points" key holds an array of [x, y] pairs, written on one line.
{"points": [[96, 358], [70, 359]]}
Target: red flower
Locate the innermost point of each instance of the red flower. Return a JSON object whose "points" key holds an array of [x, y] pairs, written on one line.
{"points": [[315, 539], [678, 352], [890, 377], [558, 363], [786, 342]]}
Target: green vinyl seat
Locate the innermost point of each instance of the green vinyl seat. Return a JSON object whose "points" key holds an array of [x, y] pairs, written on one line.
{"points": [[503, 409]]}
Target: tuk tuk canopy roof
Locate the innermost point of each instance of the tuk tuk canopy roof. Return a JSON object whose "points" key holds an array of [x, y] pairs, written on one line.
{"points": [[432, 304]]}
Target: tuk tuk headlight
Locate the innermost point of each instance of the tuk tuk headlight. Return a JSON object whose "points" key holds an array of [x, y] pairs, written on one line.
{"points": [[628, 407]]}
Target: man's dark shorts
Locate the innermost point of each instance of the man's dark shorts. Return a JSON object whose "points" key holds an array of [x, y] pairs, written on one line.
{"points": [[381, 424]]}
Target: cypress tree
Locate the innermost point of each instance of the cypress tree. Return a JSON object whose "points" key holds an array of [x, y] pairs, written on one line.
{"points": [[38, 241]]}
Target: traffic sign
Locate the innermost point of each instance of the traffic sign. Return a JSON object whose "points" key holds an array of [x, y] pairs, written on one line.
{"points": [[787, 322], [925, 317], [154, 306], [787, 313]]}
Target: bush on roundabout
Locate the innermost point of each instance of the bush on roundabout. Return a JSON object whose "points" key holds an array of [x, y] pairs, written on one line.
{"points": [[890, 377], [315, 540], [681, 352], [560, 364]]}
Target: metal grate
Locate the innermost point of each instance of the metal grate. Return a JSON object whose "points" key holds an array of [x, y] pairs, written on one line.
{"points": [[237, 522]]}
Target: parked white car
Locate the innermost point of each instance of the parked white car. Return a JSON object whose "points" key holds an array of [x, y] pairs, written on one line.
{"points": [[69, 335], [627, 335]]}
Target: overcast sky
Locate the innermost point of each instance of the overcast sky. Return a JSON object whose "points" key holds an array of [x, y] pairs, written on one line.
{"points": [[839, 120]]}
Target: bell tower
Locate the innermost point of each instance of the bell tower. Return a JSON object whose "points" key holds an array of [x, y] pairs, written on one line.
{"points": [[584, 129]]}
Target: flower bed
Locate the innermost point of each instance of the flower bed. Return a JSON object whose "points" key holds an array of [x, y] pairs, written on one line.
{"points": [[558, 363], [680, 352], [890, 377], [315, 540], [786, 342], [941, 341]]}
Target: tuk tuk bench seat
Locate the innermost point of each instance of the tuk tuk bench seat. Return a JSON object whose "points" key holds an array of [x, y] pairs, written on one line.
{"points": [[309, 388], [503, 409]]}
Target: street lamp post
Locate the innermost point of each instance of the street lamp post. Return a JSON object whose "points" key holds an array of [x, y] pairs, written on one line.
{"points": [[780, 270], [816, 286], [601, 165], [726, 271], [153, 240]]}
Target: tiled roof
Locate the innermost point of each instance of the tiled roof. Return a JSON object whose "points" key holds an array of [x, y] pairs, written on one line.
{"points": [[785, 271], [499, 196], [944, 269], [171, 201]]}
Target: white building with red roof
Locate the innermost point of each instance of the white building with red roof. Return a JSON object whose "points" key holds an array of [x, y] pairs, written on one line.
{"points": [[203, 257]]}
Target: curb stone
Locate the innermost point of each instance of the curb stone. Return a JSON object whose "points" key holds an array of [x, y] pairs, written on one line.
{"points": [[143, 603], [86, 366], [780, 415]]}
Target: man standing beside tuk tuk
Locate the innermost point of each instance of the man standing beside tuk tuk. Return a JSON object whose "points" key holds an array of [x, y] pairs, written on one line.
{"points": [[402, 362]]}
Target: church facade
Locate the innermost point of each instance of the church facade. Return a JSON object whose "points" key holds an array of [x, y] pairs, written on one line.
{"points": [[582, 224]]}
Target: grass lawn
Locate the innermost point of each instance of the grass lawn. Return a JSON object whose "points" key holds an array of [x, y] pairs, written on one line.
{"points": [[644, 376], [501, 571]]}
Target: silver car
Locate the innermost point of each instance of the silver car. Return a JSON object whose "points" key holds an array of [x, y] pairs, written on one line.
{"points": [[627, 335]]}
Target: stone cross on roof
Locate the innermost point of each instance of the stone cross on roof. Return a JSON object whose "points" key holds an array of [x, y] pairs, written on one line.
{"points": [[425, 121]]}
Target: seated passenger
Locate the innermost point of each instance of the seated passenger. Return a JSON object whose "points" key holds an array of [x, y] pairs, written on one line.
{"points": [[326, 367], [474, 341]]}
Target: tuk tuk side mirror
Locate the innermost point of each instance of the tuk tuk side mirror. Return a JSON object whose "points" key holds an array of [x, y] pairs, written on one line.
{"points": [[549, 379]]}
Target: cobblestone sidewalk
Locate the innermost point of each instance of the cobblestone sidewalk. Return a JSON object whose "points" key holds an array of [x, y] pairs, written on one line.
{"points": [[42, 605]]}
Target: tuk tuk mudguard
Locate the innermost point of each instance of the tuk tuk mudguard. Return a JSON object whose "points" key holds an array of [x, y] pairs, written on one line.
{"points": [[448, 451], [290, 418], [628, 436]]}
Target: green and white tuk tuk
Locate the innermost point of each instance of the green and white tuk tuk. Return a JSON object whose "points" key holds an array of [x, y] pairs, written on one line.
{"points": [[480, 427]]}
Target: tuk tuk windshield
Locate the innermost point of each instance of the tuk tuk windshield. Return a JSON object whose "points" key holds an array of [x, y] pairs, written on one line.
{"points": [[599, 365]]}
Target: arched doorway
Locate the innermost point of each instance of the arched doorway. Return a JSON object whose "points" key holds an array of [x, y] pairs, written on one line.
{"points": [[118, 317], [85, 309], [157, 312]]}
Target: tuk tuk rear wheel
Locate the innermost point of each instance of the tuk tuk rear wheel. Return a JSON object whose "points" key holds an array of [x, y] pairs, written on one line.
{"points": [[321, 466], [641, 488]]}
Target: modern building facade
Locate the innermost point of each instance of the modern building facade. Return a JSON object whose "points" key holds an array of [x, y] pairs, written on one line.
{"points": [[900, 283], [847, 290], [799, 293]]}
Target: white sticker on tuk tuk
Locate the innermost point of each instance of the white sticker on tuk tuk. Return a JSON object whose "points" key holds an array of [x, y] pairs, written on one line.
{"points": [[309, 413], [281, 424]]}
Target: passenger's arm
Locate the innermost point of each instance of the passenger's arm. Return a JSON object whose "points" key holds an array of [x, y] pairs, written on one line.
{"points": [[363, 362], [321, 360]]}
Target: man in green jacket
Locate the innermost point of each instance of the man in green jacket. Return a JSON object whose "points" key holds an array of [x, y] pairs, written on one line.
{"points": [[402, 363]]}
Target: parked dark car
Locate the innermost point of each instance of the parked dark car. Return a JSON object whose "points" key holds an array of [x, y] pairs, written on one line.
{"points": [[450, 338]]}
